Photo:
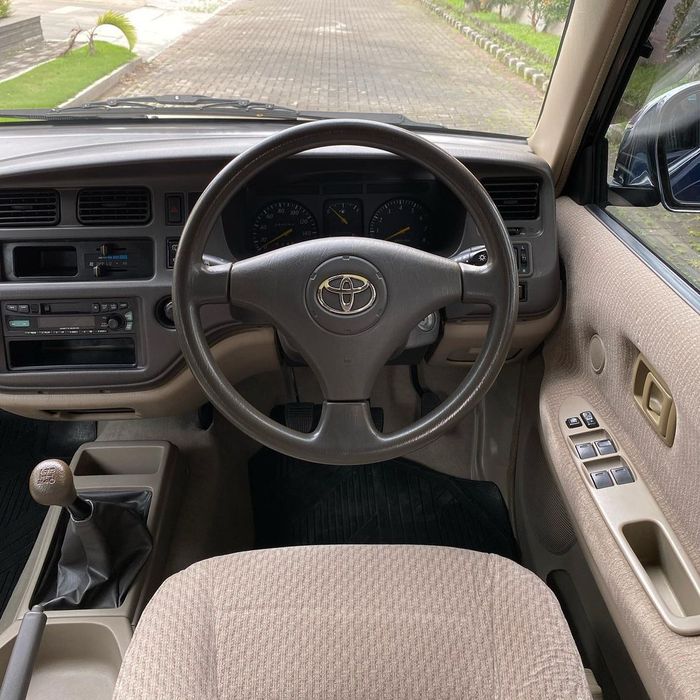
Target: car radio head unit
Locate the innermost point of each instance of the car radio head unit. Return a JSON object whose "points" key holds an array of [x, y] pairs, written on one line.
{"points": [[55, 334], [56, 318]]}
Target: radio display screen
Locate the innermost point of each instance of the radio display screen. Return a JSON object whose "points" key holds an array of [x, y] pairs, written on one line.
{"points": [[46, 322]]}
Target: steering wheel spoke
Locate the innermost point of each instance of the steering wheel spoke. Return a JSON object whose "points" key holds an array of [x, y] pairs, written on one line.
{"points": [[345, 425], [479, 284], [210, 283], [255, 283]]}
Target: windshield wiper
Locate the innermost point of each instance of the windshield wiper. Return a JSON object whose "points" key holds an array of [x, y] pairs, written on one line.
{"points": [[147, 106], [172, 106]]}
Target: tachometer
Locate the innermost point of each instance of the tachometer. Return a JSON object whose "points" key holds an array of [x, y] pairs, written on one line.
{"points": [[282, 223], [402, 220]]}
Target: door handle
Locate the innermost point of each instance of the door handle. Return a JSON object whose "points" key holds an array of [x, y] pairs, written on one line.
{"points": [[654, 399]]}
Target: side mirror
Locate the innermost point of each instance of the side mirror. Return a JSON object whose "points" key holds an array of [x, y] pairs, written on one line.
{"points": [[659, 155]]}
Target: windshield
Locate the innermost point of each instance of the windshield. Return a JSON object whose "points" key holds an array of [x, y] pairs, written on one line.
{"points": [[478, 66]]}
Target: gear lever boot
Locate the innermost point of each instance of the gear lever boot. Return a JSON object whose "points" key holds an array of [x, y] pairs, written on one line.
{"points": [[105, 545]]}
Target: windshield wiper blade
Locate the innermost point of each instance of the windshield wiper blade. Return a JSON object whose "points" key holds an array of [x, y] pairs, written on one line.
{"points": [[146, 106], [201, 102], [140, 107]]}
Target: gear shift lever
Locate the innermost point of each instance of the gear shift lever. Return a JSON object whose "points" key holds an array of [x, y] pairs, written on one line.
{"points": [[51, 484], [105, 542]]}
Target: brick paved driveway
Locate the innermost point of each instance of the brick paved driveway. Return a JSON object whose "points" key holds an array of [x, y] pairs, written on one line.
{"points": [[344, 55]]}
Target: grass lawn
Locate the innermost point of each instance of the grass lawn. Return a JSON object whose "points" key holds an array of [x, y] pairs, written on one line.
{"points": [[56, 81], [547, 44]]}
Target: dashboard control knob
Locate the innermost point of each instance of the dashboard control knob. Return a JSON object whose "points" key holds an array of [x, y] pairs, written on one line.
{"points": [[165, 313], [114, 323], [99, 270]]}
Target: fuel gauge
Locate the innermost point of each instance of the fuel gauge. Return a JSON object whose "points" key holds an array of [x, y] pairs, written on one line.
{"points": [[342, 217]]}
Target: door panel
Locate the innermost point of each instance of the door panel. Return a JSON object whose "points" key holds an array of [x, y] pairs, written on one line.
{"points": [[612, 294]]}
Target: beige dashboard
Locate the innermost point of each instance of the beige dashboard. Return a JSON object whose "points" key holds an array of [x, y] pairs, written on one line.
{"points": [[241, 355]]}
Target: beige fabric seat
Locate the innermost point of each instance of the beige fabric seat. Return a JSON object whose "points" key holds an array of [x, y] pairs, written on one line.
{"points": [[353, 622]]}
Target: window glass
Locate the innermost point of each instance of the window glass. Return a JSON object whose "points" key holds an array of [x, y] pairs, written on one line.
{"points": [[674, 62], [460, 64]]}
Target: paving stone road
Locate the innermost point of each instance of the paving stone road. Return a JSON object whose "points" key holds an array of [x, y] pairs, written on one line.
{"points": [[344, 55]]}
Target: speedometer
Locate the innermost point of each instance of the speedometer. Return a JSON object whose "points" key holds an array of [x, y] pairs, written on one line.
{"points": [[402, 220], [282, 223]]}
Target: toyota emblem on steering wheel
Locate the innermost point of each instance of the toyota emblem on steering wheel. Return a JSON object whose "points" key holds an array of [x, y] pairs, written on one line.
{"points": [[346, 294]]}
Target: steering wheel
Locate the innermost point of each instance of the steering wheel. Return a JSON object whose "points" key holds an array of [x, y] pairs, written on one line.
{"points": [[347, 303]]}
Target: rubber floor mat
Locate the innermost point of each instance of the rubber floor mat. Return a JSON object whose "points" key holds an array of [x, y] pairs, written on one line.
{"points": [[393, 502], [24, 443]]}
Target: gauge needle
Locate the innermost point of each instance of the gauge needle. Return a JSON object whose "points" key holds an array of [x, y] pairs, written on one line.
{"points": [[277, 238], [340, 216], [405, 229]]}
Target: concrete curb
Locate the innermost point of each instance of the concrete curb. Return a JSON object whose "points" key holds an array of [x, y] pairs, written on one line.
{"points": [[103, 85], [508, 58]]}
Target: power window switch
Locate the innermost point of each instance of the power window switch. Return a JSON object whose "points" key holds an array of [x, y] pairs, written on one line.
{"points": [[586, 450], [623, 475], [601, 480], [589, 420], [573, 422], [606, 447]]}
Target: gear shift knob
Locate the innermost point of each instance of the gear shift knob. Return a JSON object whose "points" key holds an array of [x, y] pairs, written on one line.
{"points": [[51, 484]]}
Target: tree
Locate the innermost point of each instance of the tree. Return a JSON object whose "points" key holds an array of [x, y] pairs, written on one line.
{"points": [[555, 10], [534, 9], [110, 18], [5, 8], [545, 10], [680, 12]]}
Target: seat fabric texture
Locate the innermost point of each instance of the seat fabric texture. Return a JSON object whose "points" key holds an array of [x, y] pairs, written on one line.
{"points": [[353, 621]]}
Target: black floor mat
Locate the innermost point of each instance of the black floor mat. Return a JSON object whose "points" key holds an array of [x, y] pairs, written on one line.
{"points": [[394, 502], [24, 443]]}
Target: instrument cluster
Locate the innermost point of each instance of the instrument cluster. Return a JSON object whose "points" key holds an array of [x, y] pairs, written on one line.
{"points": [[286, 221], [418, 213]]}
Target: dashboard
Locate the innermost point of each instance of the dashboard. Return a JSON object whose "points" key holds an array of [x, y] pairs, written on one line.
{"points": [[90, 220]]}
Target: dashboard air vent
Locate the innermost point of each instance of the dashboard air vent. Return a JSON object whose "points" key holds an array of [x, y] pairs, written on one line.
{"points": [[28, 208], [515, 199], [114, 206]]}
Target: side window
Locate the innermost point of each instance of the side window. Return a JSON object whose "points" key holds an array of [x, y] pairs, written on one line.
{"points": [[654, 144]]}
